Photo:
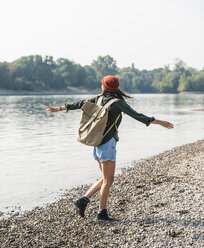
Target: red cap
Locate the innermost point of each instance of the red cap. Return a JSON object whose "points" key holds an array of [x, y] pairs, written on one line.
{"points": [[110, 84]]}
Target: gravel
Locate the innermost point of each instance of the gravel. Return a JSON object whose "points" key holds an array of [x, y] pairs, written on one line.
{"points": [[157, 202]]}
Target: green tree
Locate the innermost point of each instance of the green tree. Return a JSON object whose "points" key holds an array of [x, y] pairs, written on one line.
{"points": [[64, 73], [179, 66], [80, 76], [146, 80], [104, 66], [36, 71], [126, 81], [197, 82], [5, 76], [184, 83], [167, 81], [91, 81]]}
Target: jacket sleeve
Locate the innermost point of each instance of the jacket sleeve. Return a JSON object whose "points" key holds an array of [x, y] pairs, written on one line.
{"points": [[78, 104], [124, 107]]}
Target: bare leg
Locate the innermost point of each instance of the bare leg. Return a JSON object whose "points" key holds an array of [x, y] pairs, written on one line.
{"points": [[96, 186], [108, 170]]}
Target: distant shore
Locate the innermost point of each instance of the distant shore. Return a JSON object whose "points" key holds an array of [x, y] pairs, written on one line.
{"points": [[69, 91], [157, 202], [73, 91]]}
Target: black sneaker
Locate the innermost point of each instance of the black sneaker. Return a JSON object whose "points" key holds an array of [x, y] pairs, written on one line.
{"points": [[103, 215], [81, 205]]}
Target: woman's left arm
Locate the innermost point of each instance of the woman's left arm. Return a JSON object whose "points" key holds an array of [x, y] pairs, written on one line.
{"points": [[124, 107]]}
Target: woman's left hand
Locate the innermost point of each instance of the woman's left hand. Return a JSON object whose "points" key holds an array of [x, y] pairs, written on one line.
{"points": [[167, 124]]}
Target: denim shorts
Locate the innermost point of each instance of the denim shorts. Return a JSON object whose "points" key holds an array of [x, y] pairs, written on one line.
{"points": [[106, 151]]}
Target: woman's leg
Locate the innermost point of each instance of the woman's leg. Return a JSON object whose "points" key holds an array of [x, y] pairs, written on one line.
{"points": [[96, 186], [108, 170]]}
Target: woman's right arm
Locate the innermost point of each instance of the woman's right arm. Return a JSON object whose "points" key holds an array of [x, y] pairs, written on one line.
{"points": [[68, 106], [72, 106]]}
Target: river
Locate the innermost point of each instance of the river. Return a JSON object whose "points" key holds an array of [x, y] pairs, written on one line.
{"points": [[40, 157]]}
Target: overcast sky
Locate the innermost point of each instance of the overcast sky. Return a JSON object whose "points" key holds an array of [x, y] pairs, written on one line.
{"points": [[148, 33]]}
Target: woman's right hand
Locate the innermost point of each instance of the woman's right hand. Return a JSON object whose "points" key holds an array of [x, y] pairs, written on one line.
{"points": [[52, 109]]}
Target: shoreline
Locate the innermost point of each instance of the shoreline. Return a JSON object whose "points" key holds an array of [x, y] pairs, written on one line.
{"points": [[47, 93], [76, 91], [157, 201]]}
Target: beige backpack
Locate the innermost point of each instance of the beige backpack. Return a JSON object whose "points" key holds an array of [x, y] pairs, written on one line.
{"points": [[93, 122]]}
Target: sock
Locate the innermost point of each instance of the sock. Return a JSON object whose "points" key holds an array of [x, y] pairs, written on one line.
{"points": [[86, 199], [102, 211]]}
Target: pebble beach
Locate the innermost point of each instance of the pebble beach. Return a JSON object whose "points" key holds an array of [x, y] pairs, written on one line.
{"points": [[156, 202]]}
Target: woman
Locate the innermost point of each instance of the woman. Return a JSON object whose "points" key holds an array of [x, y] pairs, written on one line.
{"points": [[105, 153]]}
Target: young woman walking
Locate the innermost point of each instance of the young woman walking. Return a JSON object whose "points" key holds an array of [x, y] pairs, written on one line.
{"points": [[105, 153]]}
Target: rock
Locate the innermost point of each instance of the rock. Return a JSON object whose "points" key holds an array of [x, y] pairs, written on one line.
{"points": [[156, 203]]}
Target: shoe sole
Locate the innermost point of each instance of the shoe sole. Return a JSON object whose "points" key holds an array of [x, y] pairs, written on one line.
{"points": [[106, 220]]}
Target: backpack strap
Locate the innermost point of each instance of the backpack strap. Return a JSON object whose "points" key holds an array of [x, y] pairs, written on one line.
{"points": [[99, 102], [100, 99], [109, 103], [114, 123]]}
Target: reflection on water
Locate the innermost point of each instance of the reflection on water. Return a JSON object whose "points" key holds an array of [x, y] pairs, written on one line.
{"points": [[40, 156]]}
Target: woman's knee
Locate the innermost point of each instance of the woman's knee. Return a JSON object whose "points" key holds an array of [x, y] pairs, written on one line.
{"points": [[108, 181]]}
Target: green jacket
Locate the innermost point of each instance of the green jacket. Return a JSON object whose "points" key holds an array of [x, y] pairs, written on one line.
{"points": [[115, 110]]}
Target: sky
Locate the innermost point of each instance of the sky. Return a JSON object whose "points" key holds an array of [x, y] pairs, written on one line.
{"points": [[148, 33]]}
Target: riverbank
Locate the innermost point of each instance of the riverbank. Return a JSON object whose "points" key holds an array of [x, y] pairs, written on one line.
{"points": [[69, 91], [157, 202], [74, 91]]}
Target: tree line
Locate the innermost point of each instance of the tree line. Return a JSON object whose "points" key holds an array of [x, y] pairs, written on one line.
{"points": [[37, 73]]}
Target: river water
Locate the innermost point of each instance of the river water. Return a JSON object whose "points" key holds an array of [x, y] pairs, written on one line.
{"points": [[40, 157]]}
